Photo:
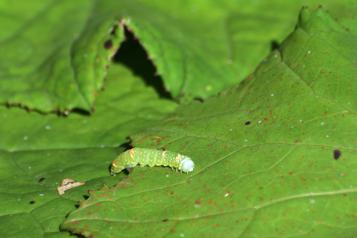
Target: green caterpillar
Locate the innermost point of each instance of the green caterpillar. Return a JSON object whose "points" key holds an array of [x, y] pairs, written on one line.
{"points": [[151, 157]]}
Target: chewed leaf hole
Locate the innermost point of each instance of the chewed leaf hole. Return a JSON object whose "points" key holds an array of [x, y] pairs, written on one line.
{"points": [[133, 55], [274, 45], [108, 44], [247, 123], [337, 154]]}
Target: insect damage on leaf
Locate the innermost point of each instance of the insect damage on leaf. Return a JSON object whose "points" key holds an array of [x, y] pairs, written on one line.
{"points": [[67, 184], [151, 157]]}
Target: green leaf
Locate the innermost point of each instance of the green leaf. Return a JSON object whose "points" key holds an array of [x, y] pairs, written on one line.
{"points": [[55, 53], [274, 157], [38, 151], [53, 56]]}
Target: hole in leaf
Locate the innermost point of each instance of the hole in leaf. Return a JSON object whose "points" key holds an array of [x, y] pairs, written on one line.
{"points": [[40, 180], [108, 44], [32, 202], [274, 45], [82, 112], [337, 154], [133, 55], [247, 123]]}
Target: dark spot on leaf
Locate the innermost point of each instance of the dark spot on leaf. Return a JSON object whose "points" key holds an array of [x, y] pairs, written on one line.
{"points": [[40, 180], [85, 196], [337, 154], [32, 202], [198, 99], [247, 123], [274, 45], [82, 112], [108, 44], [165, 220]]}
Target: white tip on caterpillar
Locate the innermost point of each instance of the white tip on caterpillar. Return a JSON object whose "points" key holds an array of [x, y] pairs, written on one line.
{"points": [[187, 165]]}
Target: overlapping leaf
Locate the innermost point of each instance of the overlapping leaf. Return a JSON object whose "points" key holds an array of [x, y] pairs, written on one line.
{"points": [[54, 53]]}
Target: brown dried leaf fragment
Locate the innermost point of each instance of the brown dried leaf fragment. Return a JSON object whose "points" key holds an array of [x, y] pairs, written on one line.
{"points": [[67, 184]]}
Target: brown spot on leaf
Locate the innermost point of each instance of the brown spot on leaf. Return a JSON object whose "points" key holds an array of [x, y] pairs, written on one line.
{"points": [[211, 202]]}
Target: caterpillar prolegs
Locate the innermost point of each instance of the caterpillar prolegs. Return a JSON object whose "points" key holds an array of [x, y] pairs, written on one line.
{"points": [[151, 157]]}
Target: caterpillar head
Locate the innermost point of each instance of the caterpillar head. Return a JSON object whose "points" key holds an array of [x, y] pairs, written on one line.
{"points": [[187, 165]]}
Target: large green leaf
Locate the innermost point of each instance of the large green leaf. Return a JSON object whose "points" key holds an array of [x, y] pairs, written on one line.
{"points": [[38, 151], [275, 157], [54, 53]]}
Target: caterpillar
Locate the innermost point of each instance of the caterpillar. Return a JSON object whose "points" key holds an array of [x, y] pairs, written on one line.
{"points": [[151, 157]]}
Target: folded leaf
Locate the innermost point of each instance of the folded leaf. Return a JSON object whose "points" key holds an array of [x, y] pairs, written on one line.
{"points": [[54, 54]]}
